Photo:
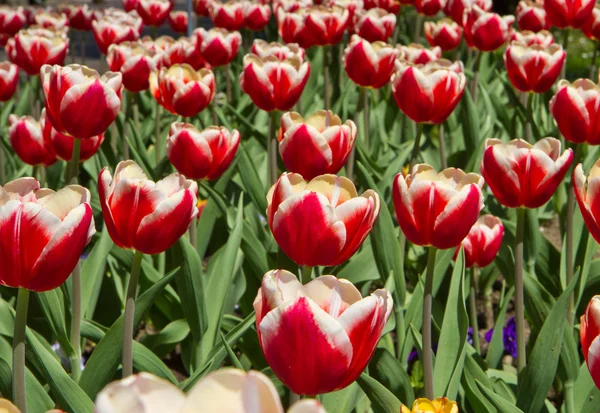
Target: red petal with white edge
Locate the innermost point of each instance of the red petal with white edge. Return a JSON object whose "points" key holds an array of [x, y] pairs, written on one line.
{"points": [[192, 99], [171, 219], [104, 180], [255, 82], [278, 286], [414, 94], [88, 110], [447, 91], [571, 115], [227, 157], [192, 157], [331, 294], [304, 150], [285, 187], [306, 229], [590, 324], [358, 215], [59, 257], [364, 322], [306, 348], [545, 174], [593, 361], [579, 181], [457, 218], [498, 171], [405, 213]]}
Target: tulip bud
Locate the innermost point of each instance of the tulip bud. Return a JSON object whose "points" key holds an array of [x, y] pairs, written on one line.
{"points": [[455, 9], [202, 7], [289, 6], [25, 136], [9, 79], [321, 222], [437, 209], [143, 215], [51, 20], [35, 47], [318, 145], [444, 33], [568, 13], [79, 101], [590, 332], [201, 154], [218, 46], [184, 91], [134, 62], [522, 175], [429, 7], [439, 405], [228, 15], [292, 27], [482, 243], [107, 31], [428, 93], [543, 38], [486, 31], [534, 68], [392, 6], [532, 16], [12, 19], [418, 54], [281, 51], [369, 64], [273, 84], [591, 28], [178, 20], [80, 17], [61, 145], [374, 25], [576, 109], [256, 15], [53, 227], [170, 51], [327, 24], [585, 189], [344, 330], [154, 12]]}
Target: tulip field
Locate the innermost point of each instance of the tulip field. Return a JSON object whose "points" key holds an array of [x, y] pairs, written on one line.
{"points": [[302, 206]]}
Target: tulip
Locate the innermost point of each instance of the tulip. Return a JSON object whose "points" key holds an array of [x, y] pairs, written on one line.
{"points": [[9, 79], [439, 405], [202, 7], [455, 9], [256, 15], [273, 84], [531, 16], [141, 214], [534, 68], [53, 227], [576, 109], [134, 62], [369, 64], [543, 38], [430, 92], [51, 20], [281, 51], [418, 54], [129, 5], [178, 20], [80, 17], [429, 7], [327, 24], [374, 25], [522, 175], [228, 15], [585, 189], [201, 154], [79, 101], [36, 47], [482, 243], [218, 46], [486, 31], [568, 13], [437, 209], [292, 27], [290, 6], [589, 331], [339, 219], [318, 145], [327, 345], [154, 12], [12, 19], [591, 28], [169, 51], [352, 6], [109, 31], [444, 33], [25, 136], [61, 145], [392, 6], [184, 91]]}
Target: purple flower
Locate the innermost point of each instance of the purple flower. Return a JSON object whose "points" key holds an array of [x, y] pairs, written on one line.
{"points": [[470, 335], [509, 337]]}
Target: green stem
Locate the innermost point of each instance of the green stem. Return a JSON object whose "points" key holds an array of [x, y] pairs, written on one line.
{"points": [[426, 325], [442, 138], [158, 141], [82, 46], [18, 380], [529, 98], [594, 57], [127, 359], [75, 359], [352, 158], [416, 146], [569, 237], [194, 233], [475, 81], [74, 165], [227, 83], [519, 304], [365, 111], [565, 40], [569, 401], [294, 397], [306, 273], [473, 308], [418, 25], [272, 149], [325, 77]]}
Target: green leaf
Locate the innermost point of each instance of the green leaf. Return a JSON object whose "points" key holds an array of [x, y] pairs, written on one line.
{"points": [[474, 373], [501, 403], [382, 400], [92, 274], [496, 347], [387, 370], [254, 187], [470, 122], [342, 401], [145, 360], [537, 377], [104, 361], [37, 397], [232, 357], [52, 303]]}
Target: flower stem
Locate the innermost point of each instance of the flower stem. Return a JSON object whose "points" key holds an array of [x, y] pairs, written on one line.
{"points": [[158, 141], [351, 159], [594, 57], [442, 138], [473, 308], [82, 46], [272, 149], [128, 326], [569, 397], [365, 111], [73, 169], [475, 81], [306, 274], [227, 83], [325, 77], [565, 45], [528, 98], [418, 25], [416, 146], [18, 379], [519, 305], [569, 237], [75, 359], [427, 302]]}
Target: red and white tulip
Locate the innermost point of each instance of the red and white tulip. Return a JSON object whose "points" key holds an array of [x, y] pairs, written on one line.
{"points": [[218, 46], [369, 64], [178, 20], [35, 47], [202, 7], [589, 331], [51, 20], [326, 25], [429, 7], [25, 137], [455, 9], [154, 12], [445, 34], [418, 54], [483, 242], [256, 15], [586, 191], [374, 25], [392, 6], [328, 330], [184, 91], [262, 49], [12, 19], [135, 63], [576, 109], [80, 17], [9, 79], [107, 30], [568, 13], [543, 38], [534, 68], [591, 28], [228, 15], [292, 28], [531, 16], [486, 31]]}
